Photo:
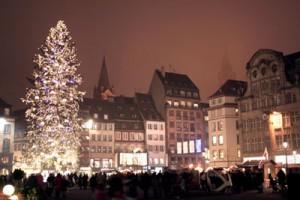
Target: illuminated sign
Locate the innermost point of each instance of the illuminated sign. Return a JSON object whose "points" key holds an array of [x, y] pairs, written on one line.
{"points": [[276, 120], [179, 148], [139, 159], [192, 146], [198, 146]]}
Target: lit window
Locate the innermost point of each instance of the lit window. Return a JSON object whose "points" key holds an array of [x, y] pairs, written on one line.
{"points": [[150, 126], [196, 105], [105, 116], [155, 126], [95, 115], [161, 161], [214, 140], [221, 139], [221, 153], [176, 104], [189, 104], [169, 102], [239, 153], [182, 103]]}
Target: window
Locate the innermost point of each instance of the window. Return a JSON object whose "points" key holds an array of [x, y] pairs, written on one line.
{"points": [[185, 126], [7, 129], [221, 139], [195, 95], [221, 153], [220, 126], [198, 115], [196, 105], [178, 114], [237, 139], [131, 136], [214, 140], [155, 137], [185, 115], [171, 113], [169, 103], [178, 126], [161, 148], [118, 135], [155, 126], [149, 126], [238, 153], [125, 135], [104, 137], [192, 116], [176, 103], [161, 137], [182, 103], [192, 127], [109, 138], [150, 147], [171, 124], [294, 117], [215, 154], [93, 137], [182, 93], [236, 124], [189, 104], [161, 127], [6, 111], [172, 136], [95, 115], [149, 137], [213, 126], [105, 116]]}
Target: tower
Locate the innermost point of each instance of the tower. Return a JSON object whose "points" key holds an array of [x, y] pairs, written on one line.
{"points": [[103, 90]]}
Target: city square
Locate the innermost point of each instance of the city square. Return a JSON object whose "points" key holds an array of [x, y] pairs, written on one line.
{"points": [[149, 99]]}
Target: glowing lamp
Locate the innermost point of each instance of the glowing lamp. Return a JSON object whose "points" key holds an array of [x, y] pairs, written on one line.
{"points": [[14, 197], [8, 190]]}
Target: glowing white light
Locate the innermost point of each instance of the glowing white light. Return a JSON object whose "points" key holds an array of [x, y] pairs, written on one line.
{"points": [[88, 124], [8, 190], [276, 120], [14, 197]]}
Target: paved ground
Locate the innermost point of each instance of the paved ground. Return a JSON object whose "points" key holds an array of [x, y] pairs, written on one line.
{"points": [[76, 194]]}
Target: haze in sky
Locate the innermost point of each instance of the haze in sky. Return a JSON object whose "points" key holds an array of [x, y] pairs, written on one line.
{"points": [[210, 41]]}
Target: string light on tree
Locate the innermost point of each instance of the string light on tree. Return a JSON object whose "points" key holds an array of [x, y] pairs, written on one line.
{"points": [[52, 116]]}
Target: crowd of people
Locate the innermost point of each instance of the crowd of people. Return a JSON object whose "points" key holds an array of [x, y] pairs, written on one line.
{"points": [[131, 186]]}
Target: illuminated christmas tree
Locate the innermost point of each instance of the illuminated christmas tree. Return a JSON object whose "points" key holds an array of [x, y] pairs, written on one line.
{"points": [[53, 123]]}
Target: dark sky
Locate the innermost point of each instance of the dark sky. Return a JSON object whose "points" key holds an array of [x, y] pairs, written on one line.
{"points": [[208, 40]]}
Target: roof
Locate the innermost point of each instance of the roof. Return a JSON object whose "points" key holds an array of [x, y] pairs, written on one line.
{"points": [[3, 104], [170, 79], [233, 88], [147, 107], [121, 108]]}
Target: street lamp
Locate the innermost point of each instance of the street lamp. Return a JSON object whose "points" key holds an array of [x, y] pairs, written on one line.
{"points": [[285, 146]]}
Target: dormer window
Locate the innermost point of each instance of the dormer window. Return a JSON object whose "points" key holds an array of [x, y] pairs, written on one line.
{"points": [[6, 111]]}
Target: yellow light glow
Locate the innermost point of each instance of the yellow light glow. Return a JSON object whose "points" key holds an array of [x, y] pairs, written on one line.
{"points": [[276, 120]]}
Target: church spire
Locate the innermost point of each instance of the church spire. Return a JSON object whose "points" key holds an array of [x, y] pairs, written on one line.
{"points": [[103, 82]]}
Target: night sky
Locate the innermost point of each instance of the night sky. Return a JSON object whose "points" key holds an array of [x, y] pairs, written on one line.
{"points": [[210, 41]]}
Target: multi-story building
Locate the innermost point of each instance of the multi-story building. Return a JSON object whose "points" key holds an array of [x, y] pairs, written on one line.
{"points": [[7, 130], [270, 108], [155, 132], [97, 139], [177, 99], [224, 138]]}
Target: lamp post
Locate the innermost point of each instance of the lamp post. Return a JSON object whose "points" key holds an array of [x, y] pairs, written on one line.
{"points": [[285, 146]]}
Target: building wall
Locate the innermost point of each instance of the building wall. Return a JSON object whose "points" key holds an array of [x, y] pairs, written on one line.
{"points": [[7, 131], [269, 91], [223, 132], [156, 143]]}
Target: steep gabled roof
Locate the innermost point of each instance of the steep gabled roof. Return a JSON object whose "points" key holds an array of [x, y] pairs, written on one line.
{"points": [[231, 88], [3, 104], [147, 107], [171, 79]]}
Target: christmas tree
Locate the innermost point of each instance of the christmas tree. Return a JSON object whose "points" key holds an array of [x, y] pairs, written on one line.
{"points": [[53, 123]]}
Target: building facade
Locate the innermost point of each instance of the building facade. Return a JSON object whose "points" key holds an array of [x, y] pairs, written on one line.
{"points": [[177, 99], [7, 130], [155, 132], [269, 110], [224, 137]]}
